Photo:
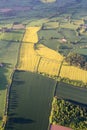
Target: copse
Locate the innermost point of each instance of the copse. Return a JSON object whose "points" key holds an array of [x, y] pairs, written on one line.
{"points": [[76, 60]]}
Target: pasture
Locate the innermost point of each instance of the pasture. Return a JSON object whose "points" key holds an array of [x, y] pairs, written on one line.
{"points": [[12, 35]]}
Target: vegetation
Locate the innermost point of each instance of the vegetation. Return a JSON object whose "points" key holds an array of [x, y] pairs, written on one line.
{"points": [[31, 90], [41, 61], [77, 60], [68, 114], [8, 58], [73, 73], [71, 92]]}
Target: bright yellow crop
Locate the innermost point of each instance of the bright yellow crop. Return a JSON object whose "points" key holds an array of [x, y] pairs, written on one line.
{"points": [[31, 35], [73, 73], [28, 58], [44, 59], [49, 53]]}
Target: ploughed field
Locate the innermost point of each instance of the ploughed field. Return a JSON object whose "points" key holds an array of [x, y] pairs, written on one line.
{"points": [[30, 101]]}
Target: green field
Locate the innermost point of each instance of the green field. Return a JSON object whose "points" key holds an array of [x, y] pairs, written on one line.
{"points": [[8, 57], [30, 101], [12, 36], [72, 93]]}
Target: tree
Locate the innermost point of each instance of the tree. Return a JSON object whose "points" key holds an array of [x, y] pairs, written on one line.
{"points": [[76, 59]]}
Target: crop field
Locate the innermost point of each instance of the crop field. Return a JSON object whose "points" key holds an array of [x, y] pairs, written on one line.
{"points": [[31, 35], [49, 67], [28, 59], [38, 59], [30, 104], [48, 53], [73, 73], [72, 93]]}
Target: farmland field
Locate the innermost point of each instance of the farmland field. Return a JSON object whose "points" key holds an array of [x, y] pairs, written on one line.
{"points": [[72, 93], [37, 59], [29, 105], [73, 73]]}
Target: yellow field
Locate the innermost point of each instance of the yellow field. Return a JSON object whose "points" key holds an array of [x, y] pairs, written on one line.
{"points": [[31, 35], [73, 73], [45, 60], [49, 53], [28, 59], [49, 67]]}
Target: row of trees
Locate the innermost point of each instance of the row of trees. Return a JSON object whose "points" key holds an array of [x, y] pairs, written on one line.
{"points": [[74, 82], [67, 114]]}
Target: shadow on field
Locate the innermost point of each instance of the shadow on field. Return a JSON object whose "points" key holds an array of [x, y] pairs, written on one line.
{"points": [[3, 71], [20, 82], [21, 120]]}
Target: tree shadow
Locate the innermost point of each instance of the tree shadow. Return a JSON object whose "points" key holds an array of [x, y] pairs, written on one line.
{"points": [[20, 120]]}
